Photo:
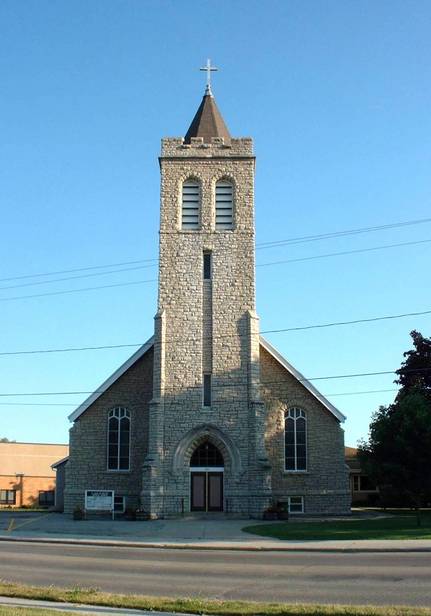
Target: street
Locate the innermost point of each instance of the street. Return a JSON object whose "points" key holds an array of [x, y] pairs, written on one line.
{"points": [[351, 578]]}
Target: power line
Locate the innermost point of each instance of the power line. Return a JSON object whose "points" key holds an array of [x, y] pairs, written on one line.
{"points": [[77, 269], [73, 349], [355, 321], [37, 404], [259, 246], [232, 383], [344, 252], [51, 393], [337, 234], [353, 393], [271, 263], [105, 286], [191, 340], [116, 271], [70, 404]]}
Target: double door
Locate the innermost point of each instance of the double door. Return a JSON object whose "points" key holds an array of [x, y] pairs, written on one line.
{"points": [[206, 491]]}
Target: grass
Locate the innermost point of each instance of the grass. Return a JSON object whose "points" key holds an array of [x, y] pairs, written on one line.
{"points": [[28, 611], [401, 526], [91, 596], [24, 510]]}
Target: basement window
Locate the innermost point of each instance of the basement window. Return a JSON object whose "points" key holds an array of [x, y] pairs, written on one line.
{"points": [[296, 504]]}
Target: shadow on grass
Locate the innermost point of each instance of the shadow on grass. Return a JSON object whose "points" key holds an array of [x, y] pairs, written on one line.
{"points": [[398, 527]]}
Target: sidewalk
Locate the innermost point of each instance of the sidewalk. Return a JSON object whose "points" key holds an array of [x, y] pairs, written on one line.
{"points": [[76, 608], [185, 533]]}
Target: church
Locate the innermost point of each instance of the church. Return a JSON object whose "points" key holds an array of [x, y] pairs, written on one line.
{"points": [[207, 416]]}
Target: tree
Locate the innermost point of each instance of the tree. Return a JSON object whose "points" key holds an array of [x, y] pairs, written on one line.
{"points": [[398, 450], [415, 371], [5, 440]]}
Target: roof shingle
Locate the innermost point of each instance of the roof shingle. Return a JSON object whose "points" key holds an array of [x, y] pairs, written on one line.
{"points": [[208, 122]]}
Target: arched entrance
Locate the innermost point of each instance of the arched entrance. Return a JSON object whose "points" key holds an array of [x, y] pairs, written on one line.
{"points": [[206, 478]]}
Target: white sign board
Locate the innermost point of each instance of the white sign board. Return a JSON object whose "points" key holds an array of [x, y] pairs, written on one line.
{"points": [[99, 500]]}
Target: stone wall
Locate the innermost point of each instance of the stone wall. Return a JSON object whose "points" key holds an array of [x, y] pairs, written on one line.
{"points": [[325, 484], [87, 467]]}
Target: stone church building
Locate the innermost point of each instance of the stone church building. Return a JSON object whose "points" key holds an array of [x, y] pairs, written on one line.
{"points": [[207, 415]]}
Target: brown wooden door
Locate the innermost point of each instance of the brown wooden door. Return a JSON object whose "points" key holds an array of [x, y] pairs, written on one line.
{"points": [[206, 491], [215, 492], [198, 491]]}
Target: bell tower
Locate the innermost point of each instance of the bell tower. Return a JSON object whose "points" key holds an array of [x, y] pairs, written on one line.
{"points": [[206, 343]]}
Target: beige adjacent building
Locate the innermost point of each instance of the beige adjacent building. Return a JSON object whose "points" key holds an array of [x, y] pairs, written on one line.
{"points": [[26, 476], [363, 490], [208, 416]]}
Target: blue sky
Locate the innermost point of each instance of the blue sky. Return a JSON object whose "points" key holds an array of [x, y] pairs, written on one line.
{"points": [[336, 96]]}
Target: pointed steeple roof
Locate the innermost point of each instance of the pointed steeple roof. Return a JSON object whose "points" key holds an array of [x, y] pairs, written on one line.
{"points": [[208, 121]]}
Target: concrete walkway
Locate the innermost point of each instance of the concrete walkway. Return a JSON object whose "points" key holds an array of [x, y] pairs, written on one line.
{"points": [[216, 533], [76, 608]]}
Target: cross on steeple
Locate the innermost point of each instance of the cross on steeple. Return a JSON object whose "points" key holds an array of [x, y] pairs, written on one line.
{"points": [[208, 69]]}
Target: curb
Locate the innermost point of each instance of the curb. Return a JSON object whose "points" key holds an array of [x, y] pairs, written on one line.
{"points": [[214, 548]]}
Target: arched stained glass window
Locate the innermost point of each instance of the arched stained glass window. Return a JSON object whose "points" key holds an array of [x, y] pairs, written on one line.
{"points": [[119, 439], [295, 440]]}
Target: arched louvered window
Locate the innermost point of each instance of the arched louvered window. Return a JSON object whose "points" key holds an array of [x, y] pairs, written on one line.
{"points": [[191, 202], [224, 205], [119, 439], [295, 440]]}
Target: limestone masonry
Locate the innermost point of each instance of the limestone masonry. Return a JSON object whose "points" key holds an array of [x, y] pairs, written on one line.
{"points": [[207, 416]]}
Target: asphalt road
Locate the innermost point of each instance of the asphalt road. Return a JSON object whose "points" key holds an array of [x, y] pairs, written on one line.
{"points": [[352, 578]]}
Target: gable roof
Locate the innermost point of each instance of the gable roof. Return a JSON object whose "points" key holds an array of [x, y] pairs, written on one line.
{"points": [[111, 380], [59, 463], [295, 373], [147, 346]]}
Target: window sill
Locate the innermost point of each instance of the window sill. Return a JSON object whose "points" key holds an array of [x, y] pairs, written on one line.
{"points": [[296, 472], [117, 472], [365, 491]]}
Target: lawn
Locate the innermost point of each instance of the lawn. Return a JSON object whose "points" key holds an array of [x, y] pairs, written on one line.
{"points": [[185, 605], [27, 611], [400, 526]]}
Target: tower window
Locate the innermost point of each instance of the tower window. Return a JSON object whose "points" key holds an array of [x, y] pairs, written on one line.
{"points": [[190, 212], [224, 205], [207, 390], [207, 266]]}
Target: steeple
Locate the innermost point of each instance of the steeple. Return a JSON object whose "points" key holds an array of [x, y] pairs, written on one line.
{"points": [[208, 121]]}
